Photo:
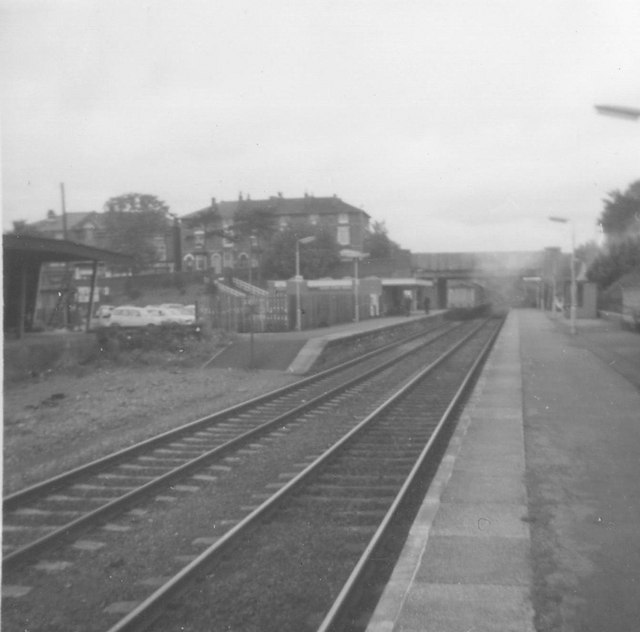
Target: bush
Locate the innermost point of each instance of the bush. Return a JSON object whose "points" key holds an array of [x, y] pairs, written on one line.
{"points": [[170, 337]]}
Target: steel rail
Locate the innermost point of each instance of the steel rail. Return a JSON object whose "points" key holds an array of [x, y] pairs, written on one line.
{"points": [[17, 498], [150, 608], [72, 529], [333, 617]]}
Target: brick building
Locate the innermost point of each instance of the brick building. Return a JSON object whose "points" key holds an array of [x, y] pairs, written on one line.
{"points": [[204, 245]]}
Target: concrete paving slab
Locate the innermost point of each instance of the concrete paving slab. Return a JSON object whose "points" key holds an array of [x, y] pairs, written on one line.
{"points": [[475, 560], [464, 608], [481, 520], [484, 486], [13, 591], [502, 465]]}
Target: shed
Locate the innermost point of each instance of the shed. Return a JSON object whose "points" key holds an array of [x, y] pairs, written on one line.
{"points": [[23, 256], [396, 290]]}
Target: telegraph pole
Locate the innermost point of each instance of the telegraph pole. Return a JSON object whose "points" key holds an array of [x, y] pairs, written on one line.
{"points": [[64, 212], [66, 308]]}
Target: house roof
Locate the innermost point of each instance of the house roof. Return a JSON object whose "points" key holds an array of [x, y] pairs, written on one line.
{"points": [[307, 205], [55, 224]]}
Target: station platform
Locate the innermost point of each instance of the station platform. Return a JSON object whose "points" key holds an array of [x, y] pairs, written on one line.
{"points": [[297, 351], [531, 522]]}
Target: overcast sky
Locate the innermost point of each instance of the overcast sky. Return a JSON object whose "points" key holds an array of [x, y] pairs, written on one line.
{"points": [[462, 124]]}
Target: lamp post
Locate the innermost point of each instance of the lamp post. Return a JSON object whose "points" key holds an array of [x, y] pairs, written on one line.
{"points": [[303, 240], [554, 283], [252, 240], [356, 256], [619, 111], [574, 293]]}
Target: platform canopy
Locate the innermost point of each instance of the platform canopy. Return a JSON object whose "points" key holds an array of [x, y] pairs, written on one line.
{"points": [[23, 255], [27, 248], [408, 282]]}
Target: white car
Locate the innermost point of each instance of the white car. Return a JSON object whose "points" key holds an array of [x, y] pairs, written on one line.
{"points": [[132, 316], [102, 316], [163, 314], [177, 313]]}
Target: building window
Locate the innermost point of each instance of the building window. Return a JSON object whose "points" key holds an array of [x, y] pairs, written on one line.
{"points": [[216, 263], [228, 259], [243, 260], [283, 223], [343, 218], [89, 234], [198, 238], [344, 237], [160, 247], [313, 219], [201, 262], [226, 229]]}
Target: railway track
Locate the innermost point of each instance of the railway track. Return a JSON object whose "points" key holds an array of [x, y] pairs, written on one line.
{"points": [[60, 508], [203, 452]]}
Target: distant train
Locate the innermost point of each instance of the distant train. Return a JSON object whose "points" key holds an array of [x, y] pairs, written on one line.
{"points": [[466, 299]]}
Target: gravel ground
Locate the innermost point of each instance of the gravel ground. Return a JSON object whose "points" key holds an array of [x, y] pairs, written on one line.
{"points": [[65, 419], [176, 526]]}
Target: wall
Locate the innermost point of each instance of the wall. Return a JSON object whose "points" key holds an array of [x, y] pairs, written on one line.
{"points": [[343, 348], [38, 353]]}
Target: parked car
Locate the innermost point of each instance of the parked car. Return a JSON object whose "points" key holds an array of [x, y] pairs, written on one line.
{"points": [[131, 316], [172, 313], [160, 312], [102, 316], [180, 313]]}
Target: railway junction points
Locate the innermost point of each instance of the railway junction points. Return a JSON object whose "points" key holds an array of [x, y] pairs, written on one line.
{"points": [[530, 522]]}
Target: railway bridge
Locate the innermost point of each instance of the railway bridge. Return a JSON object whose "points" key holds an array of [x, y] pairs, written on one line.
{"points": [[507, 277]]}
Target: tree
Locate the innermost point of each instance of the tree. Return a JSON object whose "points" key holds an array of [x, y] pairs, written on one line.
{"points": [[21, 227], [317, 259], [588, 252], [620, 257], [620, 222], [132, 221], [207, 218], [378, 244], [257, 222], [621, 214]]}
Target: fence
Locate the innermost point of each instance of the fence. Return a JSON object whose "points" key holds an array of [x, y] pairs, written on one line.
{"points": [[243, 314], [277, 312]]}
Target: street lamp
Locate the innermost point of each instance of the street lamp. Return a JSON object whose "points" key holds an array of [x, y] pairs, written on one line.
{"points": [[303, 240], [356, 256], [252, 244], [574, 293], [619, 111]]}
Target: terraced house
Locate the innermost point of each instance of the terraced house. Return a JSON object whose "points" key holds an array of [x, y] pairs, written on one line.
{"points": [[228, 235]]}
